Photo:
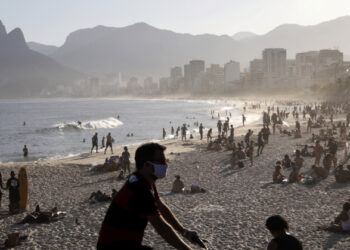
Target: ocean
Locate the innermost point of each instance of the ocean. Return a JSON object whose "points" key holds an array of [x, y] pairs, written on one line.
{"points": [[51, 130]]}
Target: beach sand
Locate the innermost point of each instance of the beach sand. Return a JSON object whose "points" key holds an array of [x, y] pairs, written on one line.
{"points": [[230, 215]]}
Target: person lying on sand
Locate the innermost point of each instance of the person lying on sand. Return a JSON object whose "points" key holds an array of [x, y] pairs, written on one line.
{"points": [[278, 227], [344, 217], [341, 175], [41, 216], [178, 185], [101, 197], [277, 177]]}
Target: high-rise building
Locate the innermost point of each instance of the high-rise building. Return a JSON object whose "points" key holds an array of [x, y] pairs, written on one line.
{"points": [[187, 77], [256, 72], [216, 76], [197, 66], [175, 73], [274, 62], [306, 63], [232, 72], [191, 73], [329, 58]]}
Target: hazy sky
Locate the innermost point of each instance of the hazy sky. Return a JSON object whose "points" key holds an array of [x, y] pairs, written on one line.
{"points": [[50, 21]]}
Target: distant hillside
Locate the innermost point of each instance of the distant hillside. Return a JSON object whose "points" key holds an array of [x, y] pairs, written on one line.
{"points": [[26, 73], [41, 48], [243, 35], [141, 49]]}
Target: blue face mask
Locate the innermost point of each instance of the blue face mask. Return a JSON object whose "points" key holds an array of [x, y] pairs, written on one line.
{"points": [[159, 170]]}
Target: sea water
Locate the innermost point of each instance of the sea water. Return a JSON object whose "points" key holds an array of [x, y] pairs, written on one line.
{"points": [[52, 131]]}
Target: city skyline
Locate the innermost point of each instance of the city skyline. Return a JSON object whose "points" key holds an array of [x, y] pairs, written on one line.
{"points": [[197, 17]]}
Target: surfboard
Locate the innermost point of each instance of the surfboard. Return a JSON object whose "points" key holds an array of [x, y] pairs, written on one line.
{"points": [[23, 188]]}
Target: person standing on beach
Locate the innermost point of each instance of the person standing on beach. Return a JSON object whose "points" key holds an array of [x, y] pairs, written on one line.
{"points": [[94, 141], [109, 143], [103, 142], [126, 160], [183, 132], [209, 137], [12, 185], [25, 151], [138, 203], [251, 152], [318, 150], [261, 143], [164, 133], [232, 133], [281, 240], [201, 131], [219, 125], [243, 119]]}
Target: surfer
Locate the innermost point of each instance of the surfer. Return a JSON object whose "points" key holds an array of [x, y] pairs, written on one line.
{"points": [[109, 143], [12, 185], [94, 143], [79, 123], [25, 151], [24, 123]]}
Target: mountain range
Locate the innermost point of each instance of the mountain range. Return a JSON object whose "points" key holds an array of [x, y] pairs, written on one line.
{"points": [[24, 72], [142, 50]]}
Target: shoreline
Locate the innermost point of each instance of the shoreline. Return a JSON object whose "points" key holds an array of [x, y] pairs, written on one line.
{"points": [[234, 208]]}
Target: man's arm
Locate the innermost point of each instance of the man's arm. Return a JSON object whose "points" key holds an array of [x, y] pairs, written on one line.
{"points": [[169, 216], [167, 232]]}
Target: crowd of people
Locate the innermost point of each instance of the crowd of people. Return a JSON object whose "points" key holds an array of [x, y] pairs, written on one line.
{"points": [[138, 201]]}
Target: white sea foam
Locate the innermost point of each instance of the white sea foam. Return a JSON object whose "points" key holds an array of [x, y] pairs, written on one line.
{"points": [[110, 122]]}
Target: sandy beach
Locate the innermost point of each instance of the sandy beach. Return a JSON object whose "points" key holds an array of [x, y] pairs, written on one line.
{"points": [[230, 215]]}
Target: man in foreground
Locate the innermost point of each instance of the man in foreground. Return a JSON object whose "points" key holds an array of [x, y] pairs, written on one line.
{"points": [[138, 202], [278, 227]]}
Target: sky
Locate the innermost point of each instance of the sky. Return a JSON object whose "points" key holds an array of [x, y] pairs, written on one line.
{"points": [[50, 21]]}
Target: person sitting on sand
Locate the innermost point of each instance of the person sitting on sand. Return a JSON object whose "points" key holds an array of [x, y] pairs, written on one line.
{"points": [[286, 162], [294, 175], [341, 175], [240, 153], [298, 160], [281, 240], [344, 217], [305, 152], [319, 172], [327, 161], [234, 159], [277, 177], [178, 185]]}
